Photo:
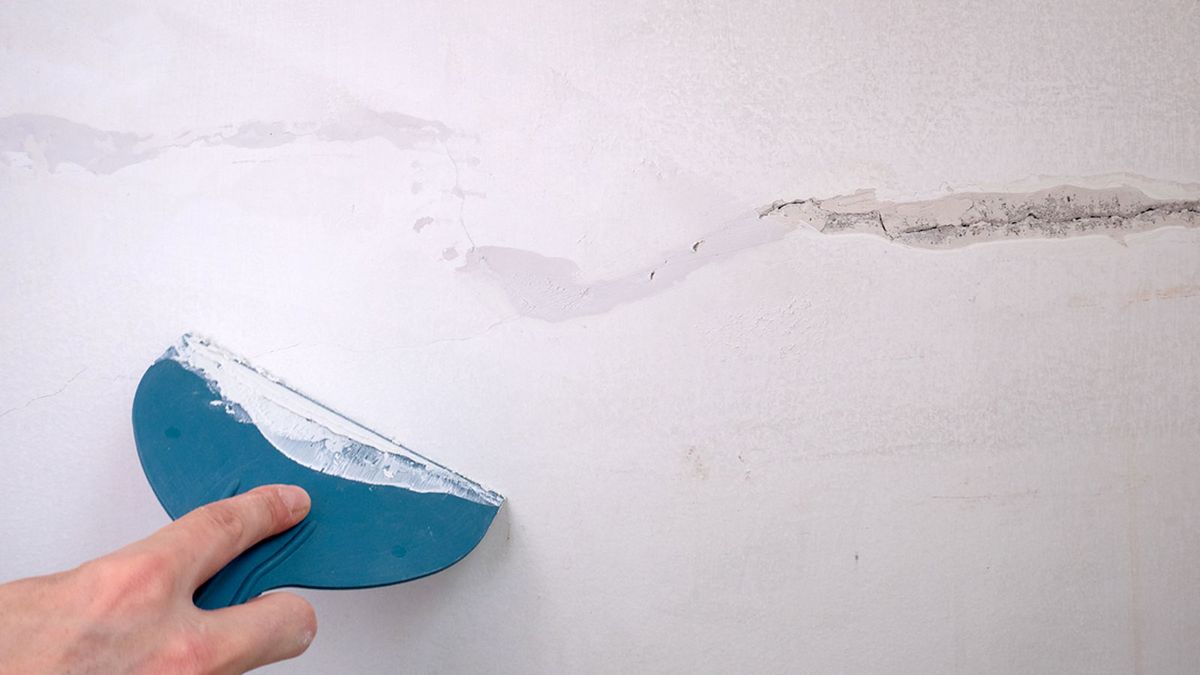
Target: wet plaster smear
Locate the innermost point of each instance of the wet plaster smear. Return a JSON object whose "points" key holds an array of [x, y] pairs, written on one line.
{"points": [[831, 337]]}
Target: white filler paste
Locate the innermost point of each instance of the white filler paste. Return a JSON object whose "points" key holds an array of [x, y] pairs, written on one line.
{"points": [[312, 434]]}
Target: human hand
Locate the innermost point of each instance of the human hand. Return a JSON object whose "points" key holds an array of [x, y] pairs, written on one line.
{"points": [[131, 611]]}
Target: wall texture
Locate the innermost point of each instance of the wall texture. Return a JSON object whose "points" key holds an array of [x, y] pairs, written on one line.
{"points": [[526, 239]]}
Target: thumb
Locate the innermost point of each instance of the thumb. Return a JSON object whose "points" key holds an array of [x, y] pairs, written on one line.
{"points": [[267, 629]]}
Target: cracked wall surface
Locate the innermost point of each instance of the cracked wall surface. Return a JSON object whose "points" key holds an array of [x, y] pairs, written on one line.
{"points": [[529, 241], [972, 217]]}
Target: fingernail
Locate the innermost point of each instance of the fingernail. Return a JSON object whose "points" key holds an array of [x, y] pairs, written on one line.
{"points": [[296, 499]]}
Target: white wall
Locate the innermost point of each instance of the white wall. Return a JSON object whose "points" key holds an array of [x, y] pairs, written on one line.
{"points": [[811, 453]]}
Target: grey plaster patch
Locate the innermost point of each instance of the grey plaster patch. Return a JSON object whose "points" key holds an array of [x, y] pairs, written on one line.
{"points": [[51, 141], [970, 217], [553, 289]]}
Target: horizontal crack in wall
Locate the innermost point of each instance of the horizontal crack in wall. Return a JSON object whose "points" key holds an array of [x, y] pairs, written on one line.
{"points": [[970, 217]]}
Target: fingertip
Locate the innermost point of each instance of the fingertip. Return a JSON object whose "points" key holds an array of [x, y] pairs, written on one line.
{"points": [[295, 498], [308, 619], [289, 504], [301, 618], [270, 628]]}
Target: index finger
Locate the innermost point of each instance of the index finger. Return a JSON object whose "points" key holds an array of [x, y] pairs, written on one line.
{"points": [[206, 539]]}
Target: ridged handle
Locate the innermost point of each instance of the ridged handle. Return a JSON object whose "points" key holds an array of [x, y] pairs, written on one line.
{"points": [[248, 575]]}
